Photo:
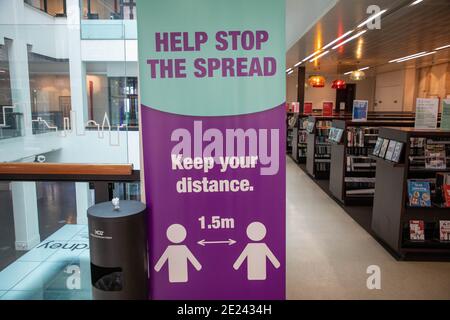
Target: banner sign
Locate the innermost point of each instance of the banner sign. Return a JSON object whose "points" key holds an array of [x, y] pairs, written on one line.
{"points": [[445, 118], [212, 89], [308, 108], [360, 110], [427, 112], [327, 109]]}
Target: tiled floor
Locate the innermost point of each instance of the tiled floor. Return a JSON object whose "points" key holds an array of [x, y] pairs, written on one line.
{"points": [[328, 253], [58, 268]]}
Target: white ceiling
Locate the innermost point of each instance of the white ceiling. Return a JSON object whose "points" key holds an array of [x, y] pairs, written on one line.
{"points": [[405, 30], [302, 15]]}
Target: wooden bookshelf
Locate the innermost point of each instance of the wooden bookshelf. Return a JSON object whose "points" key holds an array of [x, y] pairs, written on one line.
{"points": [[391, 212], [340, 175]]}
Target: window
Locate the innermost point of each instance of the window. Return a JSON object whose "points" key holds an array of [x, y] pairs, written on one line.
{"points": [[56, 8], [109, 9]]}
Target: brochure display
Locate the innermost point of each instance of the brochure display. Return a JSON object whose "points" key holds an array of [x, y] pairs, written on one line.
{"points": [[213, 137], [360, 110], [427, 111]]}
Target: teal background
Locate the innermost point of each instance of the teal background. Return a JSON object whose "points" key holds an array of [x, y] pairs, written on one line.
{"points": [[211, 96]]}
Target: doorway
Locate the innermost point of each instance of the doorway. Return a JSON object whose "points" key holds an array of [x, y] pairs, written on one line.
{"points": [[346, 96]]}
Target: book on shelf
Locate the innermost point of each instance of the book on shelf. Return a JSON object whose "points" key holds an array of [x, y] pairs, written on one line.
{"points": [[444, 230], [442, 180], [397, 152], [447, 195], [435, 157], [417, 230], [384, 148], [419, 193], [360, 192], [377, 149], [390, 150]]}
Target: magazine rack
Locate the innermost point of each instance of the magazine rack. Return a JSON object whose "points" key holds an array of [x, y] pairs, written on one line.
{"points": [[391, 212], [344, 181]]}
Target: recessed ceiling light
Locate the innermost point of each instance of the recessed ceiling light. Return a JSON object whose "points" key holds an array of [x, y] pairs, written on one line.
{"points": [[444, 47], [347, 73], [310, 56], [416, 2], [340, 38], [416, 57], [362, 69], [297, 64], [319, 56], [373, 17], [349, 39], [411, 56], [289, 70]]}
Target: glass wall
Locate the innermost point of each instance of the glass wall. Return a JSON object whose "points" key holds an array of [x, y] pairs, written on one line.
{"points": [[109, 9], [10, 120]]}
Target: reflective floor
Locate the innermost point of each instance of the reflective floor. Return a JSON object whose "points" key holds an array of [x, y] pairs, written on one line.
{"points": [[57, 269]]}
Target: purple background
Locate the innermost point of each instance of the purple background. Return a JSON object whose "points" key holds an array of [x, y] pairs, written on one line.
{"points": [[217, 280]]}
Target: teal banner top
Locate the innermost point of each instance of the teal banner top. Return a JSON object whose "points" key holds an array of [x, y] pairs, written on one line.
{"points": [[196, 67]]}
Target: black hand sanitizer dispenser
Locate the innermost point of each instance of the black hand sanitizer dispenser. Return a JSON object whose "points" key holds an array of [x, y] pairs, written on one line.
{"points": [[118, 249]]}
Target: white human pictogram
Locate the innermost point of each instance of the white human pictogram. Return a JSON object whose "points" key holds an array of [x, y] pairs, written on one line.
{"points": [[177, 255], [256, 253]]}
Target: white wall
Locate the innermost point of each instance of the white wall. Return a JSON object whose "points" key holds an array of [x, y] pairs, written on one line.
{"points": [[100, 95], [389, 92], [318, 95], [109, 50], [365, 90], [49, 88]]}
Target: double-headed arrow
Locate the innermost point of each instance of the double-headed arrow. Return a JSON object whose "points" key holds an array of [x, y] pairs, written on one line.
{"points": [[203, 242]]}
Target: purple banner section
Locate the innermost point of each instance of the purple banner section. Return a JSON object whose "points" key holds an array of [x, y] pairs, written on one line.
{"points": [[217, 223]]}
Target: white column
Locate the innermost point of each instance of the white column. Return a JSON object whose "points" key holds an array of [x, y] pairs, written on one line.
{"points": [[76, 65], [84, 201], [20, 80], [26, 219]]}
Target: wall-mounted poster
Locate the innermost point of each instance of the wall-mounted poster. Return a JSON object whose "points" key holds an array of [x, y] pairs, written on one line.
{"points": [[360, 110], [327, 109], [427, 111], [308, 108], [445, 117], [213, 119]]}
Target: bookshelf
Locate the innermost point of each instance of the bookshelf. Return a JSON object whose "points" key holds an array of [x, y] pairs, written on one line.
{"points": [[392, 213], [318, 153], [352, 173]]}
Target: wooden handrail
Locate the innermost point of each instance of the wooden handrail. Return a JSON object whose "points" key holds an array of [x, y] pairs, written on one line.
{"points": [[20, 168]]}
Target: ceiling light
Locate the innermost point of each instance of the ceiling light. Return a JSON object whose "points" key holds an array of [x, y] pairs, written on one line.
{"points": [[317, 81], [362, 69], [289, 70], [358, 75], [350, 39], [347, 73], [416, 2], [416, 57], [320, 56], [297, 64], [376, 15], [444, 47], [340, 38], [411, 56], [310, 56]]}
